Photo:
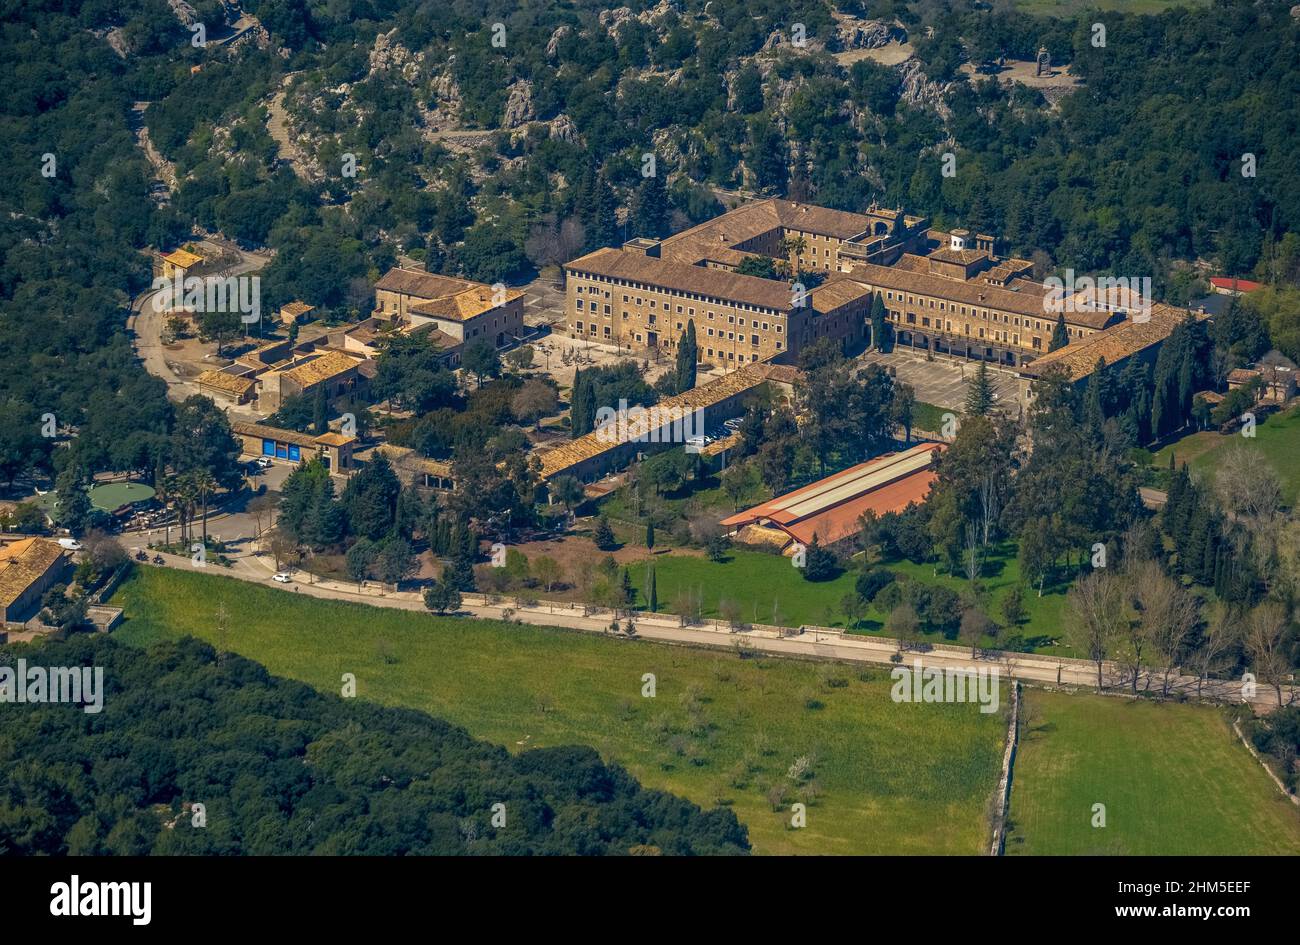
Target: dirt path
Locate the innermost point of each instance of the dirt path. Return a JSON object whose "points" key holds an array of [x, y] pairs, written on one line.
{"points": [[164, 171], [277, 126]]}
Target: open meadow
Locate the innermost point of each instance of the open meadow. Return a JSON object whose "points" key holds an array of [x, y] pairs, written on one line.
{"points": [[1174, 780], [877, 776]]}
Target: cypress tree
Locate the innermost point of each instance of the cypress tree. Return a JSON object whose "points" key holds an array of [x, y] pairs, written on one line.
{"points": [[582, 405], [654, 592], [687, 356], [1060, 337], [320, 412], [650, 535], [629, 592], [879, 325]]}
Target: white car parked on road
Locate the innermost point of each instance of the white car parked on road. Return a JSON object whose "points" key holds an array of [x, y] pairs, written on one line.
{"points": [[283, 577]]}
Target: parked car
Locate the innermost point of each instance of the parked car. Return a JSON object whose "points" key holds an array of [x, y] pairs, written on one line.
{"points": [[283, 577], [69, 544], [264, 462]]}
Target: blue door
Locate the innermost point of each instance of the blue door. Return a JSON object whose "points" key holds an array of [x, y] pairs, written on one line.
{"points": [[268, 447]]}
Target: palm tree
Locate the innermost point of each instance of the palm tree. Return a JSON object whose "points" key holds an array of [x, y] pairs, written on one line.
{"points": [[180, 489], [204, 485], [794, 247]]}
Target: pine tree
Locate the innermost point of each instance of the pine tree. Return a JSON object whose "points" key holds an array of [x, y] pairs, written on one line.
{"points": [[460, 573], [649, 215], [1060, 336], [604, 535], [979, 396], [595, 206]]}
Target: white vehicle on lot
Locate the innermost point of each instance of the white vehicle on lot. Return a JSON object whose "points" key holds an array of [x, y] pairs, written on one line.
{"points": [[263, 462], [282, 577], [70, 544]]}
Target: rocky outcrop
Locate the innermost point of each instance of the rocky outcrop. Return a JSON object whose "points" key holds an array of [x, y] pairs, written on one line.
{"points": [[519, 104], [867, 34], [777, 38], [920, 92], [562, 128], [388, 54], [184, 12], [553, 44]]}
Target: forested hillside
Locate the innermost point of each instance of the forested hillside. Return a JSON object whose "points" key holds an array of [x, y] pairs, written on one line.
{"points": [[282, 769], [491, 160]]}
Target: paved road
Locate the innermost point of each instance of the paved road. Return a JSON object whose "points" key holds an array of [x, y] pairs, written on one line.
{"points": [[806, 642], [146, 325]]}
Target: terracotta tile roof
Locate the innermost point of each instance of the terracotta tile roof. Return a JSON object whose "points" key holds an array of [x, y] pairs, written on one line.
{"points": [[443, 296], [836, 292], [564, 457], [1026, 299], [1114, 344], [265, 432], [226, 383], [183, 258], [831, 507], [716, 238], [422, 285], [708, 283], [296, 308], [335, 439], [1238, 285], [327, 366], [23, 563], [962, 256]]}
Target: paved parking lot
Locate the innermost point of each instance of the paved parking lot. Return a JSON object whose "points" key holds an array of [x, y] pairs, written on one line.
{"points": [[943, 381]]}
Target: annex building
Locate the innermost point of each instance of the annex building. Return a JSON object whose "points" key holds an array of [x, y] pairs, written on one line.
{"points": [[831, 509], [459, 309]]}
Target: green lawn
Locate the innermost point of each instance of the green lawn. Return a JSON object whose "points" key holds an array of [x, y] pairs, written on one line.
{"points": [[928, 417], [891, 778], [771, 590], [1174, 780], [1277, 439]]}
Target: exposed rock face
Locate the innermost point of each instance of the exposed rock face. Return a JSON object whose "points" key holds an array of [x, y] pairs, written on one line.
{"points": [[519, 105], [920, 92], [562, 128], [388, 53], [614, 19], [553, 44], [773, 41], [184, 12], [867, 34]]}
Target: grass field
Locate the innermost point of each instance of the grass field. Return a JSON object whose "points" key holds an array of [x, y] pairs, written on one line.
{"points": [[1277, 439], [890, 778], [770, 590], [1174, 780]]}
